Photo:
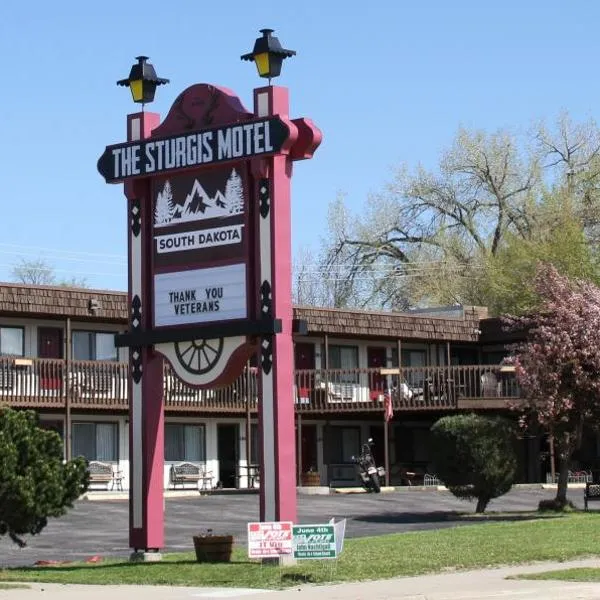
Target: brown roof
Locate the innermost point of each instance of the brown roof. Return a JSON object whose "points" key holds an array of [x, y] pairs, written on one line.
{"points": [[354, 323], [61, 302]]}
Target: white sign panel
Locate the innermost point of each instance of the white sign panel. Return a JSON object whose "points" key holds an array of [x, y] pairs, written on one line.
{"points": [[270, 539], [198, 240], [200, 295]]}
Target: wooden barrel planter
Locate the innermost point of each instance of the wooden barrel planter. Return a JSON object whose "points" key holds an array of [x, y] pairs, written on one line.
{"points": [[213, 548], [311, 479]]}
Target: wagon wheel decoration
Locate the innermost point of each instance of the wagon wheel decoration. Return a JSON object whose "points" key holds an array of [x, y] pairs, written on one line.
{"points": [[199, 356]]}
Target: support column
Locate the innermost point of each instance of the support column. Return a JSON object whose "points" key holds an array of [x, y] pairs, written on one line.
{"points": [[386, 449], [278, 460], [299, 450], [68, 357], [145, 383]]}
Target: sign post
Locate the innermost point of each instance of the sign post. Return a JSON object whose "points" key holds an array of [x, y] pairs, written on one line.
{"points": [[209, 230]]}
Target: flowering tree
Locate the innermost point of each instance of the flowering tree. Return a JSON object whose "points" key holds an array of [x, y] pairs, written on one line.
{"points": [[558, 367]]}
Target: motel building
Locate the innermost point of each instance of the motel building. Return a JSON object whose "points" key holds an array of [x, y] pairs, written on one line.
{"points": [[58, 357]]}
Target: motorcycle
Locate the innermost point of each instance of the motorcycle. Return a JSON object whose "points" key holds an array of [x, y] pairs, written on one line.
{"points": [[370, 474]]}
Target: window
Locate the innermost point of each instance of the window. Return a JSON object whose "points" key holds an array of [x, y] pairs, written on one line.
{"points": [[343, 444], [92, 345], [12, 341], [344, 357], [412, 358], [184, 442], [96, 441]]}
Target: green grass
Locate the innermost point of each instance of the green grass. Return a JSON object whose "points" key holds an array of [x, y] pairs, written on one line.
{"points": [[14, 586], [579, 574], [498, 540]]}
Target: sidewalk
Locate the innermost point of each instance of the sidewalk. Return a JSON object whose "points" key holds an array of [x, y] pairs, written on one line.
{"points": [[467, 585]]}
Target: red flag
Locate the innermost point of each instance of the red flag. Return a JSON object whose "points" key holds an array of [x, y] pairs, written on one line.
{"points": [[388, 408]]}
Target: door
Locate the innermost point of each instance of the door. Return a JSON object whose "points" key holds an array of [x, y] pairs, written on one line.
{"points": [[309, 448], [50, 347], [376, 360], [304, 360], [227, 451]]}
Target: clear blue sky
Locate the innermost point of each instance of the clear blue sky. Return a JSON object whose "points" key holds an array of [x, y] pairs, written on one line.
{"points": [[387, 82]]}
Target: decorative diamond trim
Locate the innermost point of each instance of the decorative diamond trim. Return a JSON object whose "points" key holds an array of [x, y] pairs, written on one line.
{"points": [[266, 300], [135, 364], [135, 214], [264, 198], [266, 358], [136, 313]]}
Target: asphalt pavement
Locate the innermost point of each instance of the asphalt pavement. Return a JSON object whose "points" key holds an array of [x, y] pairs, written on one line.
{"points": [[101, 527]]}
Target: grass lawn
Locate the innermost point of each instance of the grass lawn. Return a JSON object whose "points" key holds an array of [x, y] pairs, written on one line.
{"points": [[580, 574], [498, 540]]}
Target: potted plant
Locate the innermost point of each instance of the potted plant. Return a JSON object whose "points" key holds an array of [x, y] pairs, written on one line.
{"points": [[213, 548], [311, 478]]}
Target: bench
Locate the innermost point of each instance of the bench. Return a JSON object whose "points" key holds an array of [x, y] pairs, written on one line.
{"points": [[591, 493], [104, 473], [186, 472]]}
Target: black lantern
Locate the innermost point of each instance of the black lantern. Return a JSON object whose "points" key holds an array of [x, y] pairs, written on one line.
{"points": [[268, 55], [142, 81]]}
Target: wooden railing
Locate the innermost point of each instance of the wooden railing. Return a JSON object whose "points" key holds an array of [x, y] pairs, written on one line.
{"points": [[410, 388], [36, 382]]}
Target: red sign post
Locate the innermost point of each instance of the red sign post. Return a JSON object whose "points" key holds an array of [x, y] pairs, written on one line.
{"points": [[209, 230]]}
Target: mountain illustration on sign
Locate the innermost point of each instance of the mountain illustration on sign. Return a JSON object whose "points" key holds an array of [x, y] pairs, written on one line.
{"points": [[198, 204]]}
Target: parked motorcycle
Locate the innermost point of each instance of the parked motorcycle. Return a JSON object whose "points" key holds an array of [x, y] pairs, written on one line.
{"points": [[370, 474]]}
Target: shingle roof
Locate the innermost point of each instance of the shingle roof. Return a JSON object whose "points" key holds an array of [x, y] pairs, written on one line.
{"points": [[56, 301], [61, 302]]}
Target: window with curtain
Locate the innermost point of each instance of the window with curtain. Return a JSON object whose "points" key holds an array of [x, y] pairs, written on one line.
{"points": [[185, 442], [344, 357], [12, 341], [94, 345], [96, 441]]}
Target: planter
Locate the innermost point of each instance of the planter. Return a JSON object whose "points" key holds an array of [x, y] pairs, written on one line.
{"points": [[213, 548], [311, 479]]}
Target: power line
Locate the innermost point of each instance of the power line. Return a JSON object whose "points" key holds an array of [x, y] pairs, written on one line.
{"points": [[58, 250]]}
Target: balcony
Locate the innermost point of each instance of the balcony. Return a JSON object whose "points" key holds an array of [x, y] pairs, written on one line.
{"points": [[410, 388], [45, 383]]}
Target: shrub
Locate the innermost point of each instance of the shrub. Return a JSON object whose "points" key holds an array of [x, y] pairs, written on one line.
{"points": [[475, 456], [35, 482]]}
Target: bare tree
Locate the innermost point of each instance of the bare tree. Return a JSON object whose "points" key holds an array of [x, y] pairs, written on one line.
{"points": [[428, 237], [33, 271], [39, 272]]}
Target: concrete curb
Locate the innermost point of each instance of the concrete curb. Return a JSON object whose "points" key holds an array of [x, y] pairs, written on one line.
{"points": [[96, 496]]}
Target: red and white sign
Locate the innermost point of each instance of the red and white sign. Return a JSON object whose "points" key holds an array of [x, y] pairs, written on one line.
{"points": [[269, 540]]}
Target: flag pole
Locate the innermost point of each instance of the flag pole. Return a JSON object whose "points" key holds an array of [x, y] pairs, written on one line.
{"points": [[386, 441]]}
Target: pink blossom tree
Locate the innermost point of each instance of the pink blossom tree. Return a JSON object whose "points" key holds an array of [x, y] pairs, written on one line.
{"points": [[558, 367]]}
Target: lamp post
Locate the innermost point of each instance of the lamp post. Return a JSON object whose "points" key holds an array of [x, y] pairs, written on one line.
{"points": [[268, 55], [142, 81]]}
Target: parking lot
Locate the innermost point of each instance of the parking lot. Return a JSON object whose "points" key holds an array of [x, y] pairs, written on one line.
{"points": [[101, 527]]}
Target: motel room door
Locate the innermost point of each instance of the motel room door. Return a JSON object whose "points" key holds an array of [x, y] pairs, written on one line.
{"points": [[50, 347], [304, 360], [376, 360]]}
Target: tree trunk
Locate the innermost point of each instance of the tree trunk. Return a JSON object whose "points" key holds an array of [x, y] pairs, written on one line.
{"points": [[482, 503], [563, 478]]}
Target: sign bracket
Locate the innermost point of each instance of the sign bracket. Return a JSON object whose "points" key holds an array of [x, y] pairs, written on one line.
{"points": [[248, 328]]}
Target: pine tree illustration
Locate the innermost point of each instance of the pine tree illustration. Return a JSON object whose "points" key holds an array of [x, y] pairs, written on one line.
{"points": [[234, 193], [165, 208]]}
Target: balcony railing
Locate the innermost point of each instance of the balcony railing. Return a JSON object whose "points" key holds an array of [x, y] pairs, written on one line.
{"points": [[36, 382], [410, 388]]}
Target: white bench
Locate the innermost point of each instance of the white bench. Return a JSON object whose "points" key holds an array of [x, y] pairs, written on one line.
{"points": [[101, 472]]}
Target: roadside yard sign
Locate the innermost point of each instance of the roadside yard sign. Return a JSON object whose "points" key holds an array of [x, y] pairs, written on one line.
{"points": [[274, 539], [269, 539], [314, 541]]}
